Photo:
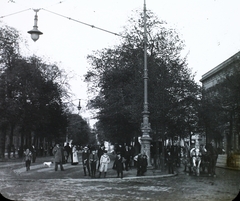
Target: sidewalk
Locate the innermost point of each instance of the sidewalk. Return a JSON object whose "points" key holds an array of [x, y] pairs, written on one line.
{"points": [[18, 167], [222, 163]]}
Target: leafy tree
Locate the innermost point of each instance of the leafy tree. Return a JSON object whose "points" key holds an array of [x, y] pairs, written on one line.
{"points": [[79, 130], [116, 78], [31, 93]]}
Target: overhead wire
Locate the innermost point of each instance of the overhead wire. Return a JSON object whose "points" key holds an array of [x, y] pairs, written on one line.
{"points": [[69, 18], [15, 13], [84, 23]]}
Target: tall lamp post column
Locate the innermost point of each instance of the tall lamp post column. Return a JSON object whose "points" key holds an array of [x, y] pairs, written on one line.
{"points": [[145, 127]]}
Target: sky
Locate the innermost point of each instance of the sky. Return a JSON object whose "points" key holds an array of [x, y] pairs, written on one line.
{"points": [[209, 29]]}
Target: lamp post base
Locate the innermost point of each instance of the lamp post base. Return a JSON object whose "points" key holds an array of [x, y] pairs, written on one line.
{"points": [[145, 148]]}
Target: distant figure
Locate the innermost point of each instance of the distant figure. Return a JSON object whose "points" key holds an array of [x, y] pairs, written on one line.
{"points": [[100, 153], [141, 164], [34, 153], [118, 165], [104, 161], [85, 161], [170, 161], [58, 155], [67, 148], [127, 155], [74, 155], [28, 157], [93, 159]]}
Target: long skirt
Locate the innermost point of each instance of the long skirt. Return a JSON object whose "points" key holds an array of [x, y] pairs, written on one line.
{"points": [[74, 158]]}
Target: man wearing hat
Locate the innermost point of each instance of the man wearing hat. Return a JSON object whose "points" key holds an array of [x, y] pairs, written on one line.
{"points": [[93, 158], [118, 164], [85, 160], [58, 155]]}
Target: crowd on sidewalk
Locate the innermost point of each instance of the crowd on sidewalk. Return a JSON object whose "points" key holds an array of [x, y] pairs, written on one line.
{"points": [[95, 160]]}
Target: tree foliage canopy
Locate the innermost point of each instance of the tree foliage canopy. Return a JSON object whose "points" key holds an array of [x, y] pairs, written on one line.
{"points": [[31, 91], [116, 77]]}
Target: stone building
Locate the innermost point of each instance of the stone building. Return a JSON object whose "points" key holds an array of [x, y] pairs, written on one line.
{"points": [[215, 76]]}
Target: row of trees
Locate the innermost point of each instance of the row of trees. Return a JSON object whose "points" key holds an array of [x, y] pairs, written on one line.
{"points": [[31, 96], [116, 77]]}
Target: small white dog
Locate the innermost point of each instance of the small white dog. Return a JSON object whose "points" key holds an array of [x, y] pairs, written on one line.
{"points": [[47, 164]]}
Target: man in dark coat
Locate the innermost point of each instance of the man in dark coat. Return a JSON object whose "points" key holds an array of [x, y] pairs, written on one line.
{"points": [[58, 155], [85, 161], [118, 164], [127, 155], [93, 158], [141, 164], [170, 160]]}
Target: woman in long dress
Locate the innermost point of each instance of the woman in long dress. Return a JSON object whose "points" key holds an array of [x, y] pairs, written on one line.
{"points": [[74, 155]]}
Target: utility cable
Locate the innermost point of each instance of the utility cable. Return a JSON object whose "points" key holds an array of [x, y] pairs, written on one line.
{"points": [[15, 13], [92, 26]]}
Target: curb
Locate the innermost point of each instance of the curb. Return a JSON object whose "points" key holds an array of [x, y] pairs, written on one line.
{"points": [[228, 168]]}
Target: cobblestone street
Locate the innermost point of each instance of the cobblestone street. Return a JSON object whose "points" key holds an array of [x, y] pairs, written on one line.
{"points": [[41, 183]]}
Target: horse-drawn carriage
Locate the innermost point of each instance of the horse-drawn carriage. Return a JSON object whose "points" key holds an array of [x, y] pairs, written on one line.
{"points": [[197, 160]]}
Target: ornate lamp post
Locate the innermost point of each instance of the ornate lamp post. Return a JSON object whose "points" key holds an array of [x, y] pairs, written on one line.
{"points": [[145, 127], [35, 32]]}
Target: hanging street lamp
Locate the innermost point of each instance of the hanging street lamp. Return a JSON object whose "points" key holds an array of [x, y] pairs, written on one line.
{"points": [[35, 33], [79, 106]]}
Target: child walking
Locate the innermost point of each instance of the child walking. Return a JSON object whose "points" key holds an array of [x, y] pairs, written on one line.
{"points": [[104, 161]]}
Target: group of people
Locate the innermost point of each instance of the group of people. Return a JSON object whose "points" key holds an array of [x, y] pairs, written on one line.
{"points": [[97, 159], [92, 159]]}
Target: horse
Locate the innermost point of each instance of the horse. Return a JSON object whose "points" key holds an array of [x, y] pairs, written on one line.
{"points": [[196, 155], [212, 156]]}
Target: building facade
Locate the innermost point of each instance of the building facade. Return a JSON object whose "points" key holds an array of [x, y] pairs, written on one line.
{"points": [[219, 74]]}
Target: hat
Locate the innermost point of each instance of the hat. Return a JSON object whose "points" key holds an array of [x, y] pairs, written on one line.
{"points": [[86, 147]]}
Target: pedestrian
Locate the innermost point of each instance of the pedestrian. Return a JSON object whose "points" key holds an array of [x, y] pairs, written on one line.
{"points": [[58, 155], [74, 155], [34, 153], [131, 163], [118, 164], [127, 155], [100, 153], [67, 148], [169, 160], [28, 157], [85, 161], [93, 159], [141, 162], [144, 164], [104, 161]]}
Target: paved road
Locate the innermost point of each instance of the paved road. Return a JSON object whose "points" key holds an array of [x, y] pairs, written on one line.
{"points": [[45, 184]]}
